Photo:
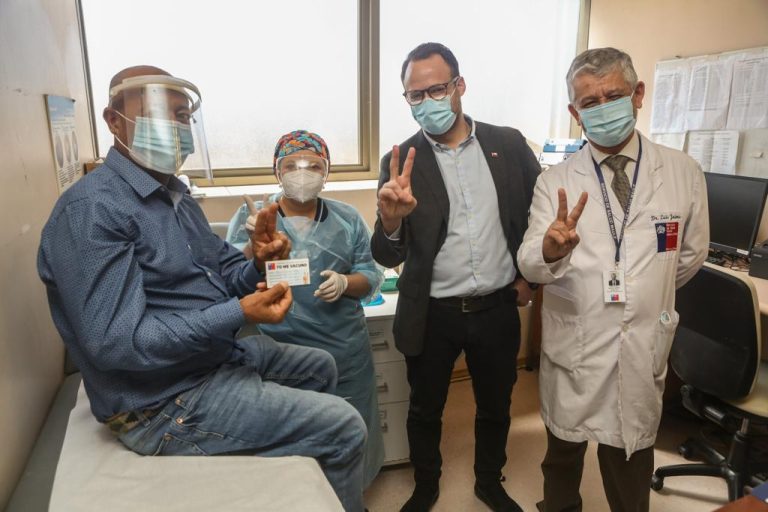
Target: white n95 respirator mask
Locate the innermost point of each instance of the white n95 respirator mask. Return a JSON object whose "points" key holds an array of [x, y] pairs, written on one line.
{"points": [[302, 185]]}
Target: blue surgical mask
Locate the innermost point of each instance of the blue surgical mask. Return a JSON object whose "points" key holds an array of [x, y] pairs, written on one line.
{"points": [[434, 116], [609, 124], [161, 144]]}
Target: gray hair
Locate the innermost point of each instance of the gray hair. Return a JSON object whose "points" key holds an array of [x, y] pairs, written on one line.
{"points": [[600, 62]]}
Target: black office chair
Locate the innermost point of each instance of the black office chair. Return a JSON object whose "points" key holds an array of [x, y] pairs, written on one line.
{"points": [[716, 352]]}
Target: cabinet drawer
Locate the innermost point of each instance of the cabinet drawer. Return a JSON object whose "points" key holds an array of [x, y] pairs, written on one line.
{"points": [[392, 382], [382, 340], [392, 417]]}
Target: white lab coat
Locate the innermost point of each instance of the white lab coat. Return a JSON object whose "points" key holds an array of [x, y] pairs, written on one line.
{"points": [[603, 365]]}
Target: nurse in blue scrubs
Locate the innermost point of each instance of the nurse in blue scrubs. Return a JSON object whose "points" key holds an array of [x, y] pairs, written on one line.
{"points": [[326, 313]]}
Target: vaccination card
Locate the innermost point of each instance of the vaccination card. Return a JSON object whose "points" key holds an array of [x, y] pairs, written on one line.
{"points": [[295, 272]]}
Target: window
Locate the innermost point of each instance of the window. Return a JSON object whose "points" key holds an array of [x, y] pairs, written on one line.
{"points": [[263, 68], [513, 54], [333, 66]]}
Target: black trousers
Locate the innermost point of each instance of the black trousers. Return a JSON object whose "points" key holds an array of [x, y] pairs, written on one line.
{"points": [[490, 340], [627, 483]]}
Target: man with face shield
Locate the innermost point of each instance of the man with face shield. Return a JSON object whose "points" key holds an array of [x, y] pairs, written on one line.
{"points": [[639, 230], [148, 302], [326, 313], [160, 124]]}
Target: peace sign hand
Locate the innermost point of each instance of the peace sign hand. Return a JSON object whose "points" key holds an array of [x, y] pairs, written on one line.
{"points": [[395, 196], [561, 238], [267, 243]]}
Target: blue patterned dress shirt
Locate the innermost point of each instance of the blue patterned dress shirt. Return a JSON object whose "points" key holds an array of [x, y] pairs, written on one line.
{"points": [[144, 295]]}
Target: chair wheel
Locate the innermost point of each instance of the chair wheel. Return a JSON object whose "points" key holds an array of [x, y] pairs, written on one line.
{"points": [[657, 482], [686, 451]]}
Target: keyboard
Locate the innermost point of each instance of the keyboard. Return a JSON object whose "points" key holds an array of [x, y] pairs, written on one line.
{"points": [[715, 260]]}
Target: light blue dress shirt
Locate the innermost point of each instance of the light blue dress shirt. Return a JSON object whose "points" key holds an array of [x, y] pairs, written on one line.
{"points": [[475, 259]]}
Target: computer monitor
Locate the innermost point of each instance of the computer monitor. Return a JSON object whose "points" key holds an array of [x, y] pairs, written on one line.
{"points": [[735, 209]]}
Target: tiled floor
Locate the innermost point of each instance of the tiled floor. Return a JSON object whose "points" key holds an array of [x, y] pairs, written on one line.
{"points": [[525, 450]]}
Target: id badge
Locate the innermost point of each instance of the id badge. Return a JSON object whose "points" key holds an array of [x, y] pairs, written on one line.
{"points": [[613, 286], [295, 272]]}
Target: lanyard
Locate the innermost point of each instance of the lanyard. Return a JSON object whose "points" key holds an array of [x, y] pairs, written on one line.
{"points": [[609, 211]]}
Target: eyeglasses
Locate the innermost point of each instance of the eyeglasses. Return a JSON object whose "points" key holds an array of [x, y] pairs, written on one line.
{"points": [[436, 92]]}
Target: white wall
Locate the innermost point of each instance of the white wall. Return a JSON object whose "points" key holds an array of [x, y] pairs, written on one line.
{"points": [[654, 30], [40, 53]]}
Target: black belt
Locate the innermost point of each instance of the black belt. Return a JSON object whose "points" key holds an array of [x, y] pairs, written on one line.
{"points": [[476, 303], [122, 423]]}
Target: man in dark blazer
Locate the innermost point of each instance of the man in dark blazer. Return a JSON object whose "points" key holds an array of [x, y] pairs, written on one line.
{"points": [[455, 217]]}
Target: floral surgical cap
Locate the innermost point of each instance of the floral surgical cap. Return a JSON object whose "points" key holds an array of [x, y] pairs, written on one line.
{"points": [[299, 140]]}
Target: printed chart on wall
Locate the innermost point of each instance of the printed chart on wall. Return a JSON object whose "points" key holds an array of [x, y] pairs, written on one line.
{"points": [[61, 125], [711, 105]]}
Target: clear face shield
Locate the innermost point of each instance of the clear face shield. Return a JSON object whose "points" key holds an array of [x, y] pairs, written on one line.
{"points": [[302, 176], [164, 124]]}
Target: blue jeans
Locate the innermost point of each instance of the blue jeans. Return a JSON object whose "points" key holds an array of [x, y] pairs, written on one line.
{"points": [[275, 401]]}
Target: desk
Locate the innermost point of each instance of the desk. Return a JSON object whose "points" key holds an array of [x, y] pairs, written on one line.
{"points": [[756, 502], [761, 286], [745, 504]]}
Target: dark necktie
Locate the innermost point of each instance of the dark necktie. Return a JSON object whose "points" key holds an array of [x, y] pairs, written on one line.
{"points": [[620, 183]]}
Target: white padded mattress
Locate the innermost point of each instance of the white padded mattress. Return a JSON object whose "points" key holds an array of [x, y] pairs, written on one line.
{"points": [[96, 472]]}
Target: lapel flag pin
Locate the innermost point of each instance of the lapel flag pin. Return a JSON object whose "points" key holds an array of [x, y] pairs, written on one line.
{"points": [[494, 154]]}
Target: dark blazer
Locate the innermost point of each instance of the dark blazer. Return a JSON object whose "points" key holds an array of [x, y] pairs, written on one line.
{"points": [[514, 169]]}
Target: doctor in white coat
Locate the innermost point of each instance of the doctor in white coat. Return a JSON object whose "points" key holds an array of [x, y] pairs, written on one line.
{"points": [[639, 230]]}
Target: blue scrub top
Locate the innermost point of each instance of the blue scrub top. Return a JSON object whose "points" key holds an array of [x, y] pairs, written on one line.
{"points": [[337, 239]]}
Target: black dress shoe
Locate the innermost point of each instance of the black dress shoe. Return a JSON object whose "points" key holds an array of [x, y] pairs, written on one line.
{"points": [[494, 495], [422, 499]]}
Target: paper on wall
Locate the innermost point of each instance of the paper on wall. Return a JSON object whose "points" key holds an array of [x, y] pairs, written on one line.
{"points": [[725, 147], [671, 140], [715, 151], [709, 92], [62, 129], [670, 96], [749, 92], [700, 148]]}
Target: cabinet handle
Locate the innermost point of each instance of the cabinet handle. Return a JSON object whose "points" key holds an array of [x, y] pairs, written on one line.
{"points": [[381, 345], [383, 387], [384, 427]]}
